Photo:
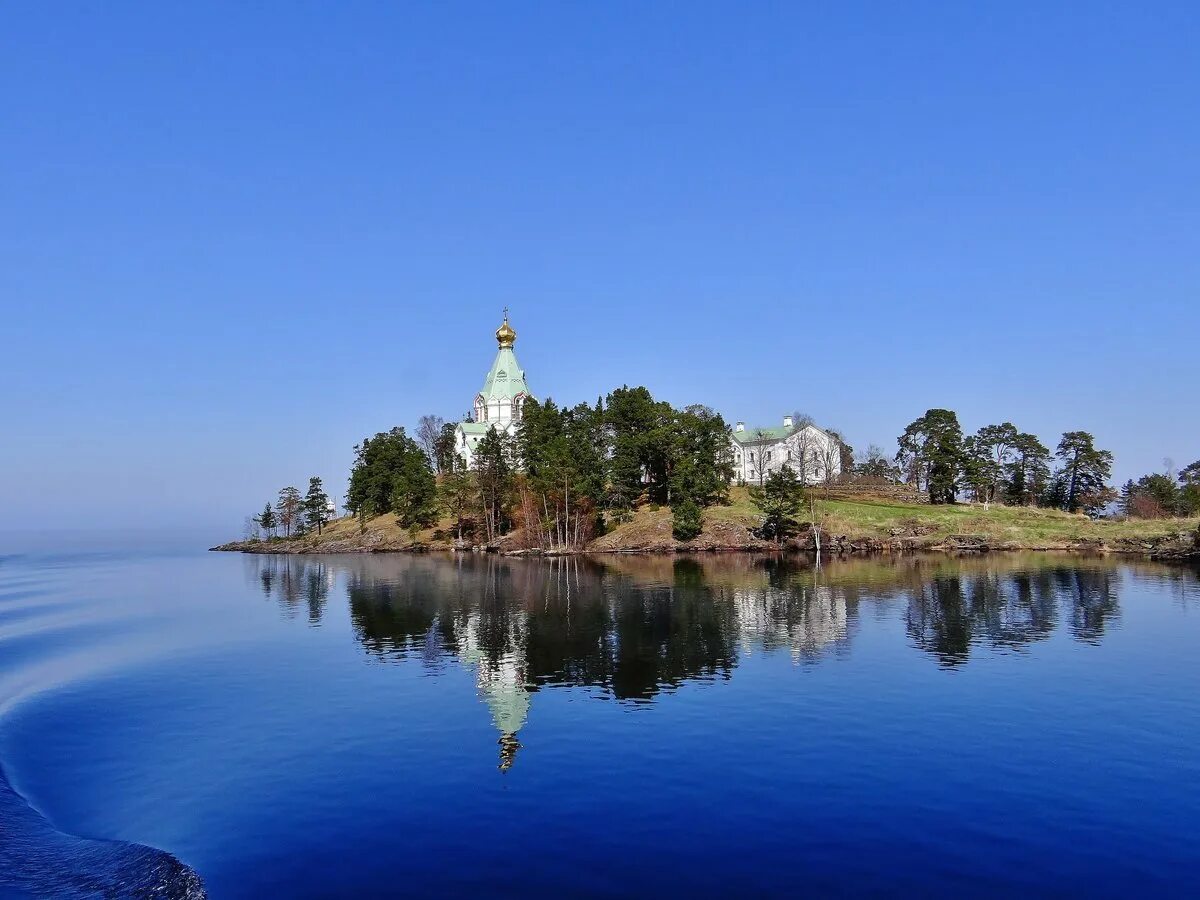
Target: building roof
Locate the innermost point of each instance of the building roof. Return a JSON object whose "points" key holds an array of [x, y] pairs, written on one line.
{"points": [[474, 428], [758, 435], [506, 378], [770, 435]]}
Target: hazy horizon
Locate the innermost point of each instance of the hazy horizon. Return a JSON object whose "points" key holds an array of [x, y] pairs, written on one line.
{"points": [[241, 239]]}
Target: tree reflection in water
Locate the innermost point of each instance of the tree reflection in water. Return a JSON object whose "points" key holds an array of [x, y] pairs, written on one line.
{"points": [[631, 627]]}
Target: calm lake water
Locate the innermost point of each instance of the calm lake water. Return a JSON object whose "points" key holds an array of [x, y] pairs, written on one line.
{"points": [[714, 726]]}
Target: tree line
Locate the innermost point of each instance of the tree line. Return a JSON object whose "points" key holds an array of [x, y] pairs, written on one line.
{"points": [[569, 472], [1162, 494], [561, 477], [1001, 463], [292, 514]]}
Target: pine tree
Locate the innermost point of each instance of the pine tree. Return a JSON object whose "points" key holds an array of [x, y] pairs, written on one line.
{"points": [[288, 509], [316, 505], [414, 490], [1027, 471], [932, 447], [781, 499], [458, 493], [687, 520], [1081, 483], [443, 451], [985, 456], [493, 462], [267, 521]]}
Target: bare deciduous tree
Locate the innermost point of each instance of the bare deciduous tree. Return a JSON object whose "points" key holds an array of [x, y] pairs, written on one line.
{"points": [[429, 430]]}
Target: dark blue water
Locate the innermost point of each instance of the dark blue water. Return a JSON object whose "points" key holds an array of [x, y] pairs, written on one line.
{"points": [[377, 725]]}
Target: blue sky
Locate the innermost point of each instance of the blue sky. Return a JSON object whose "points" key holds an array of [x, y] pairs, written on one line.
{"points": [[237, 238]]}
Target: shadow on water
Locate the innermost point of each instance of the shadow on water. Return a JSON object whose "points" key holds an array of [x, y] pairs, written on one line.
{"points": [[631, 628]]}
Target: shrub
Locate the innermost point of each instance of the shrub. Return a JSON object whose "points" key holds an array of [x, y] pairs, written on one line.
{"points": [[687, 520]]}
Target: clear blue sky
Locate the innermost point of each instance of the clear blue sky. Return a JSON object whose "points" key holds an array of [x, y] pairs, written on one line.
{"points": [[235, 239]]}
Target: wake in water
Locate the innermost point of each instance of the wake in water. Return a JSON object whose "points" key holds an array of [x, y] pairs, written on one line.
{"points": [[38, 861]]}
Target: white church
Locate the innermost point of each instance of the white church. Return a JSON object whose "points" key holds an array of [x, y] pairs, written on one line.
{"points": [[500, 402], [812, 453]]}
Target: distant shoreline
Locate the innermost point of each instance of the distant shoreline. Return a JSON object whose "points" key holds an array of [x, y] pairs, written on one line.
{"points": [[848, 523]]}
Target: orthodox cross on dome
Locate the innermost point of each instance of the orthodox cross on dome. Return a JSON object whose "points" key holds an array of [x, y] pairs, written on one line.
{"points": [[505, 334]]}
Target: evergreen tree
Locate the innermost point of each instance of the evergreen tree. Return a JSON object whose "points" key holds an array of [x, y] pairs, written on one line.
{"points": [[876, 465], [635, 436], [932, 447], [845, 455], [699, 461], [687, 520], [414, 489], [985, 456], [1081, 483], [563, 456], [1027, 471], [316, 505], [458, 493], [288, 509], [377, 462], [781, 499], [1129, 498], [1163, 490], [267, 521], [443, 451], [1190, 474], [493, 464]]}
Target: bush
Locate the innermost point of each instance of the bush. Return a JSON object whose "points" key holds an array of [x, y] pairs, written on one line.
{"points": [[687, 520]]}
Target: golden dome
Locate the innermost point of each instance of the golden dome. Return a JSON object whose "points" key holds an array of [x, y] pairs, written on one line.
{"points": [[505, 334]]}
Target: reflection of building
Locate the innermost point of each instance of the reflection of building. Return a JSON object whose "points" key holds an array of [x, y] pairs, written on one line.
{"points": [[500, 676], [806, 622]]}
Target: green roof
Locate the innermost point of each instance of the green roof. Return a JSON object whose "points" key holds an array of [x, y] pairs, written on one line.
{"points": [[755, 435], [478, 428], [506, 379]]}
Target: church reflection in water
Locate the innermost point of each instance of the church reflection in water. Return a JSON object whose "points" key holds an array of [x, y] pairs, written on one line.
{"points": [[631, 628]]}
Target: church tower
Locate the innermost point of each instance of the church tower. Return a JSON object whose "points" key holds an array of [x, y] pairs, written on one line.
{"points": [[499, 404]]}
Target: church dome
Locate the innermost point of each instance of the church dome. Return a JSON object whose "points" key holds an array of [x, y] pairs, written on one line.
{"points": [[505, 334]]}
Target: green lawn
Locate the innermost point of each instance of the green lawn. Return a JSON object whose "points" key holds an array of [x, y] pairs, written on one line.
{"points": [[865, 517]]}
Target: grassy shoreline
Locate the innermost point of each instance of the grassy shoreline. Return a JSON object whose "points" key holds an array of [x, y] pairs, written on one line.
{"points": [[849, 523]]}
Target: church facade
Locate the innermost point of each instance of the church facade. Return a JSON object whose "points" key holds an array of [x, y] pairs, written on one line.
{"points": [[813, 454], [498, 406]]}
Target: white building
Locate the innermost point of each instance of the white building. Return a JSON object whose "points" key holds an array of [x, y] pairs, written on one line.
{"points": [[498, 406], [813, 454]]}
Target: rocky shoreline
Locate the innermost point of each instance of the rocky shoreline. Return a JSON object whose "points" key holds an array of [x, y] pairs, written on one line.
{"points": [[1177, 546]]}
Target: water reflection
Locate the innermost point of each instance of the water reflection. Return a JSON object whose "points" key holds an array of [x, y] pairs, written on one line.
{"points": [[633, 627]]}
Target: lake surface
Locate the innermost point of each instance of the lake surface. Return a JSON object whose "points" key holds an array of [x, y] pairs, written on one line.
{"points": [[710, 726]]}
